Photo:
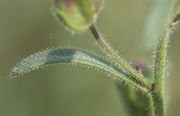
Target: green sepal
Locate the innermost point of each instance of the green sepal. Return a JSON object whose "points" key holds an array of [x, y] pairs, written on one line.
{"points": [[77, 15]]}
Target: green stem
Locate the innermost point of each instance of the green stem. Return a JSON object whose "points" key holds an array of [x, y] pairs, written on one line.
{"points": [[136, 76], [160, 66], [160, 63], [159, 74]]}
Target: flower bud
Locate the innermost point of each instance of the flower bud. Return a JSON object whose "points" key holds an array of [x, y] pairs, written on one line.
{"points": [[77, 14]]}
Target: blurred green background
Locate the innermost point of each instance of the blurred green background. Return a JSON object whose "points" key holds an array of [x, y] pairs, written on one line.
{"points": [[27, 26]]}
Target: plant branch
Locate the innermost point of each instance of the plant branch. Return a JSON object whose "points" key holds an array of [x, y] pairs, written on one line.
{"points": [[137, 77], [160, 66], [157, 91]]}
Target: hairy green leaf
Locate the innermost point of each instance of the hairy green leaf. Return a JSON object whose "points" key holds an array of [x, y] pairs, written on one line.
{"points": [[70, 55]]}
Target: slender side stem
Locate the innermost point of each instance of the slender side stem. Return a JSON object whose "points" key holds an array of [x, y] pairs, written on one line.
{"points": [[137, 77]]}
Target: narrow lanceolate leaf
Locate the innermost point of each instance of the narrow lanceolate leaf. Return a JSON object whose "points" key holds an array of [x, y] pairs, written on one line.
{"points": [[77, 14], [70, 55]]}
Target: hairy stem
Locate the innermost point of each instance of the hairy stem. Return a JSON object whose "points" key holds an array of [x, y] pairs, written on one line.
{"points": [[157, 91], [160, 66], [137, 77]]}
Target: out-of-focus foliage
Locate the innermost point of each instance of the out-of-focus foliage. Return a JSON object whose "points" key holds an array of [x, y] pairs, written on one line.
{"points": [[156, 21]]}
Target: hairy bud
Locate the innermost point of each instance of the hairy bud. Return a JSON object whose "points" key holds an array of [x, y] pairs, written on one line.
{"points": [[77, 14]]}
